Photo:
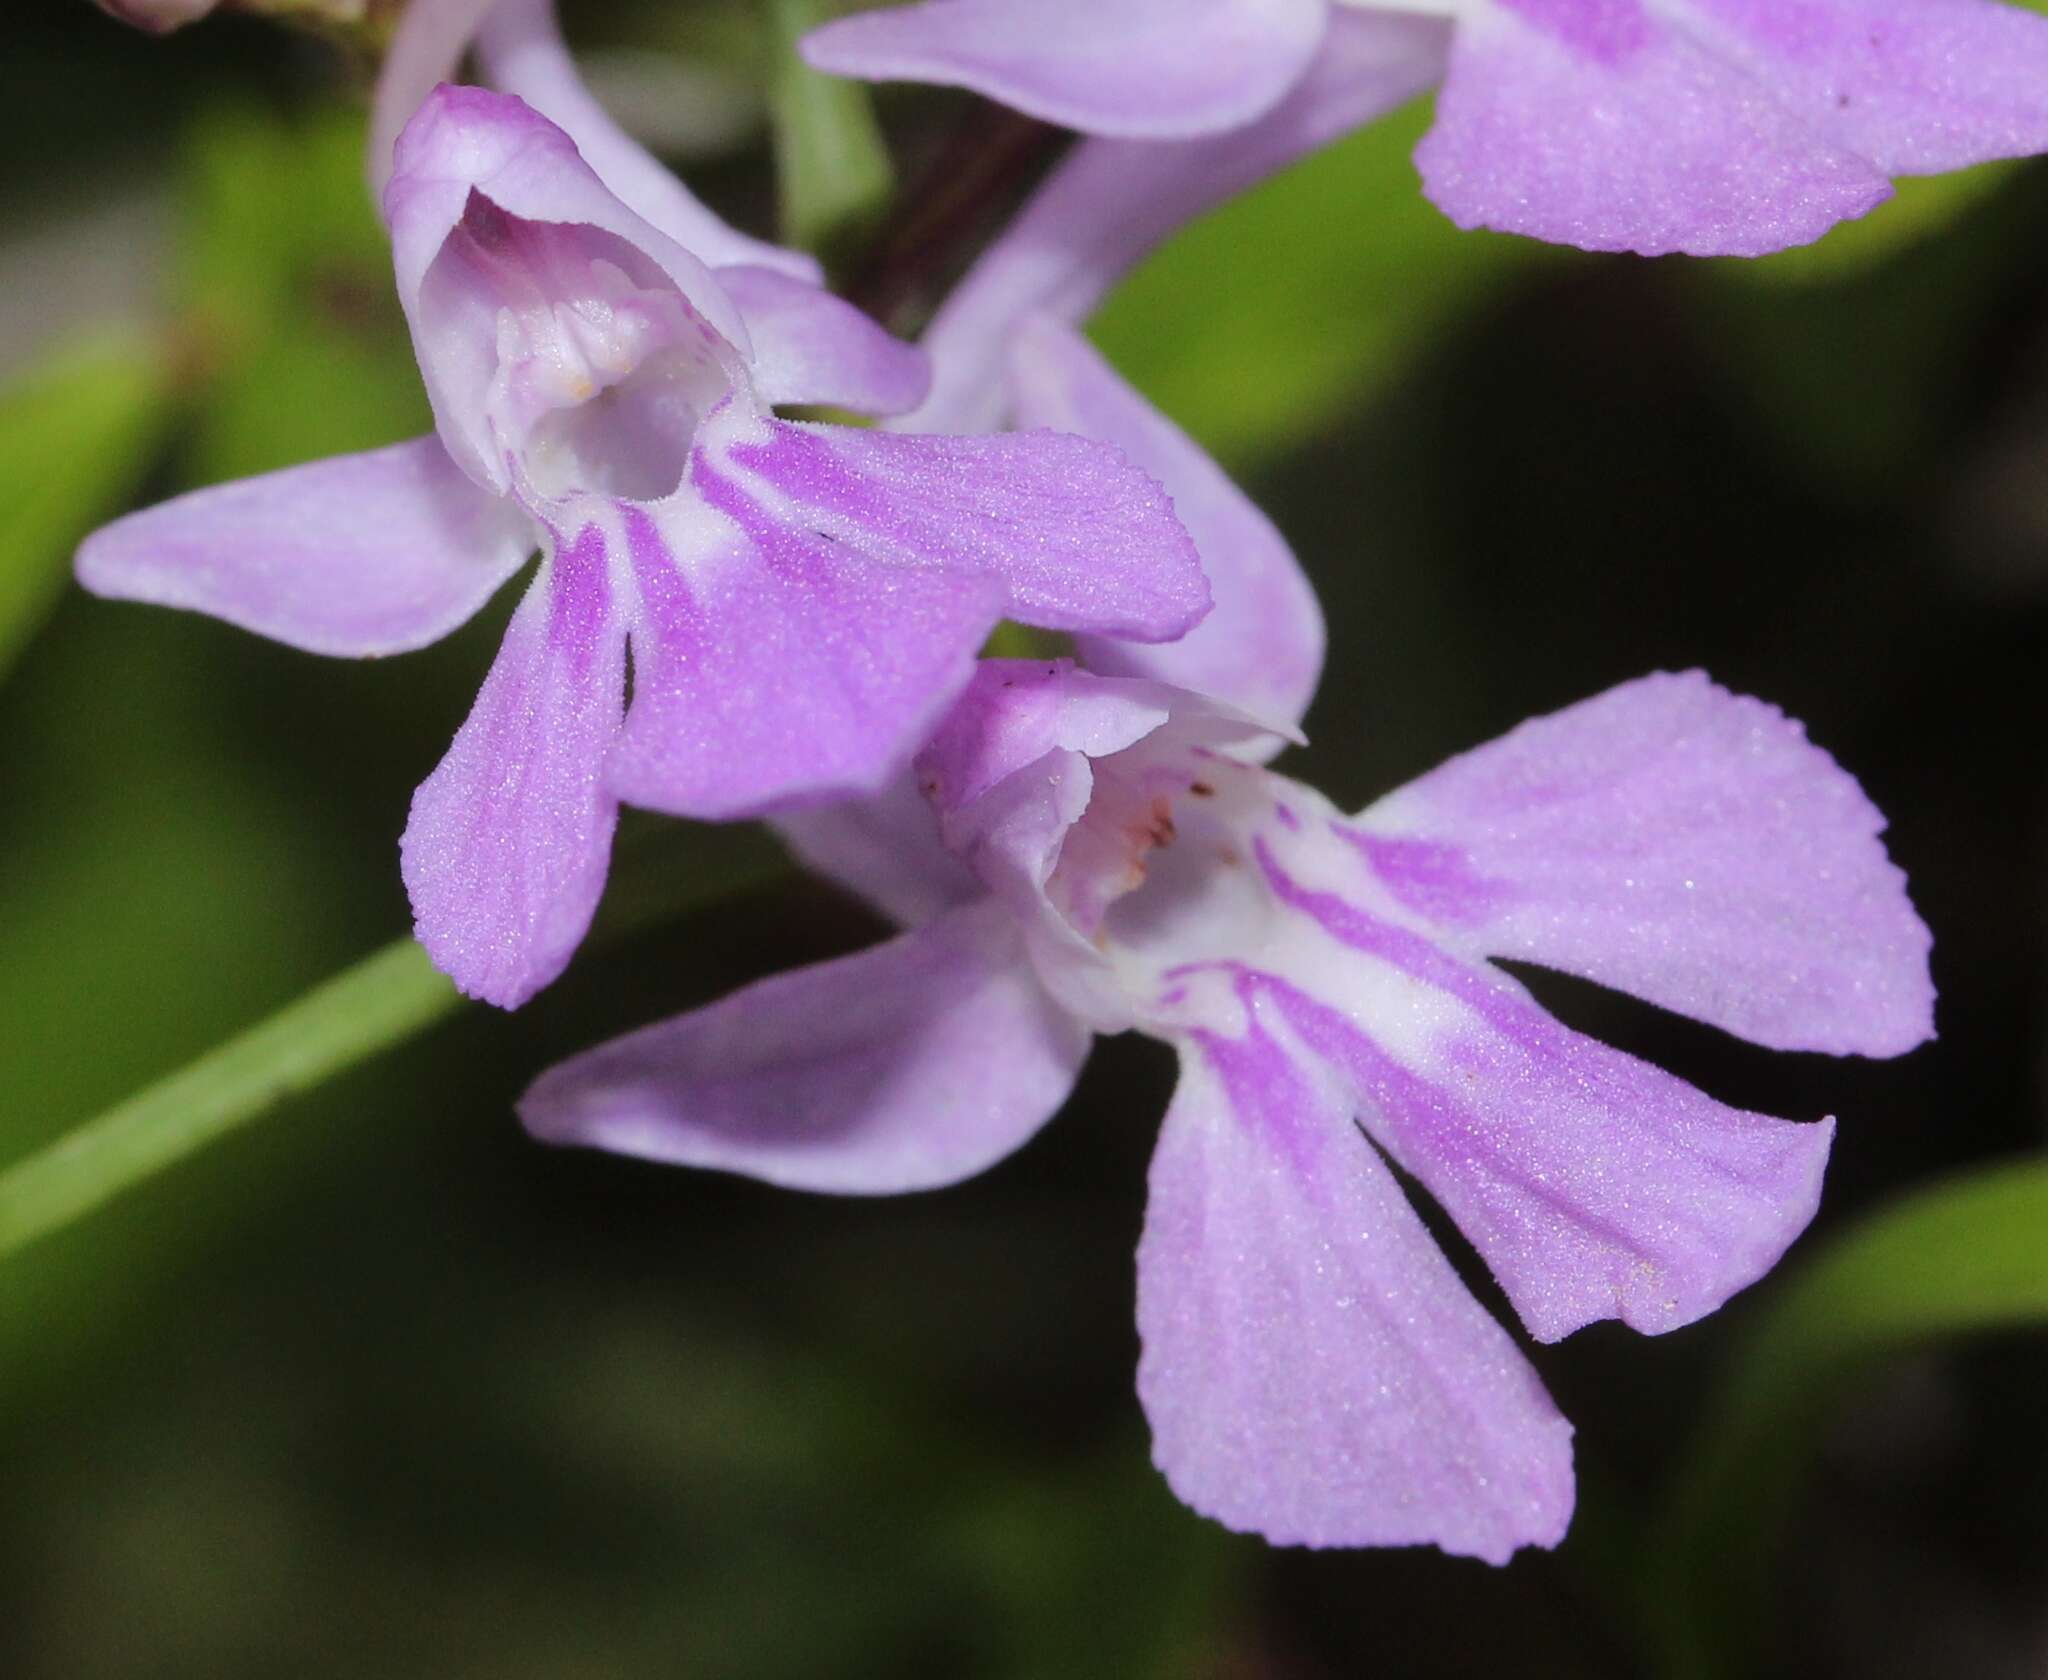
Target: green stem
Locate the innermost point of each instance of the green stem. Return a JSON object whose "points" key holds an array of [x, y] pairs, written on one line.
{"points": [[382, 1001]]}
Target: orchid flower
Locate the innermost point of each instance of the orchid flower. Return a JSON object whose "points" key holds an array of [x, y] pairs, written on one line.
{"points": [[802, 601], [1086, 854], [999, 368], [1714, 127]]}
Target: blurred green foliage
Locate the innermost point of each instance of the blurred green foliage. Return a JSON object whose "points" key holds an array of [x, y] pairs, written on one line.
{"points": [[82, 428], [1968, 1255], [283, 284], [830, 158], [1256, 324]]}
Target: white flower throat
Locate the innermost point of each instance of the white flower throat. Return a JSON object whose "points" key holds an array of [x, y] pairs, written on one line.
{"points": [[593, 373]]}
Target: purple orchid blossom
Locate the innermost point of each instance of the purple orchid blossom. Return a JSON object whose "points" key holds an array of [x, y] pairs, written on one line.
{"points": [[1095, 854], [1713, 127], [802, 601], [993, 367]]}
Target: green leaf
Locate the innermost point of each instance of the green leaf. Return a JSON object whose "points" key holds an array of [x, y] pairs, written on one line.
{"points": [[81, 429], [380, 1003], [1252, 326], [267, 204], [829, 153], [1969, 1254]]}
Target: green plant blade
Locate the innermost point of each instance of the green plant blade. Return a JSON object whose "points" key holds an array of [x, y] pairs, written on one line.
{"points": [[384, 1000], [380, 1002], [81, 428], [1969, 1254], [829, 154], [1255, 324]]}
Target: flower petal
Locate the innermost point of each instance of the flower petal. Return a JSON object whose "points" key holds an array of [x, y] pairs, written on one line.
{"points": [[522, 52], [359, 555], [917, 1063], [1109, 202], [1312, 1368], [1602, 127], [1680, 843], [816, 600], [884, 849], [1261, 648], [1009, 768], [1016, 711], [1915, 87], [1157, 69], [775, 666], [1014, 768], [1081, 539], [506, 850], [812, 347], [1595, 1185]]}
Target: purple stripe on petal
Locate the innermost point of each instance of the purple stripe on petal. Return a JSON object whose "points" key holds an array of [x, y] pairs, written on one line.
{"points": [[1312, 1368], [507, 847], [917, 1063], [1489, 993], [1431, 878], [775, 665], [1594, 1185]]}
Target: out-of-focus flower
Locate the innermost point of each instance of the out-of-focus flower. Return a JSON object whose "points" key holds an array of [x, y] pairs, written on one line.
{"points": [[159, 17], [802, 601], [1715, 127], [1096, 854]]}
